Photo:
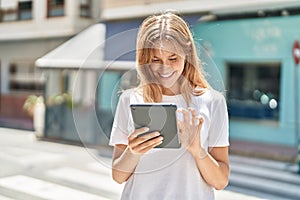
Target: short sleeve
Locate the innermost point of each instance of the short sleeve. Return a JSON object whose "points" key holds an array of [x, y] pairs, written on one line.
{"points": [[218, 129], [119, 133]]}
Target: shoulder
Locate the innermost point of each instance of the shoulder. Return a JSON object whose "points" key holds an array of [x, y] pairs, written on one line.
{"points": [[129, 94], [210, 96], [215, 96]]}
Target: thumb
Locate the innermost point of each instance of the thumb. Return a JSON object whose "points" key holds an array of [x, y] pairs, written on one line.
{"points": [[179, 126], [200, 124]]}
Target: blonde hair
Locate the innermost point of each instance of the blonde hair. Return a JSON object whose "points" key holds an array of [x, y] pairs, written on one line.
{"points": [[168, 27]]}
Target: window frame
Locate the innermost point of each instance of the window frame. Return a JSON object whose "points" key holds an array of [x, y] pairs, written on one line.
{"points": [[30, 77], [51, 7], [87, 7], [17, 13], [244, 64], [8, 12]]}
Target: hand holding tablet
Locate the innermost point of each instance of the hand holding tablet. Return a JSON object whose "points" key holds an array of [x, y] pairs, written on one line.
{"points": [[158, 118]]}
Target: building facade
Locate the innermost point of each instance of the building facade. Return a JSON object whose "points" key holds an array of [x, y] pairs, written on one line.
{"points": [[28, 30], [246, 50], [255, 57], [246, 59]]}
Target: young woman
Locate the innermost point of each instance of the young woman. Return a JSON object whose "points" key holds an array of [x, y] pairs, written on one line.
{"points": [[169, 71]]}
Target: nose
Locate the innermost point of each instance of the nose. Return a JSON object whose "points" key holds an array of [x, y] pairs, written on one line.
{"points": [[165, 67], [165, 64]]}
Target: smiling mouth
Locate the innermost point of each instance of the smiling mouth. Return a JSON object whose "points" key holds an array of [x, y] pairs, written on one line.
{"points": [[166, 75]]}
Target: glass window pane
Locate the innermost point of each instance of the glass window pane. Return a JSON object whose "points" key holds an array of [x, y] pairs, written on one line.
{"points": [[254, 90], [107, 90], [85, 8], [25, 10], [56, 12], [56, 8], [25, 77], [9, 16], [111, 83]]}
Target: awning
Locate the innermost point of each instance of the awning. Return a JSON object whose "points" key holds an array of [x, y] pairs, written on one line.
{"points": [[84, 50]]}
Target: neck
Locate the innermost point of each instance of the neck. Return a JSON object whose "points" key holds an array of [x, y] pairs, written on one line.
{"points": [[170, 91]]}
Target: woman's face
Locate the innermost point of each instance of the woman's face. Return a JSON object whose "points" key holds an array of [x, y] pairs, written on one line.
{"points": [[167, 65]]}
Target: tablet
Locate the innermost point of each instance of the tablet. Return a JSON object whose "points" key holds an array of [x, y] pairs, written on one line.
{"points": [[158, 117]]}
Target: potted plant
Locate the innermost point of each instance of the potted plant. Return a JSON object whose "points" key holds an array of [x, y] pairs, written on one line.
{"points": [[29, 104], [35, 107]]}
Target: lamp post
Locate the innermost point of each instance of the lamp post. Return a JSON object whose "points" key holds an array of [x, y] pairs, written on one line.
{"points": [[296, 57]]}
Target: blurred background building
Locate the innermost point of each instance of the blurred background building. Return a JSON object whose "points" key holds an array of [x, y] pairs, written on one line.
{"points": [[28, 30], [82, 52]]}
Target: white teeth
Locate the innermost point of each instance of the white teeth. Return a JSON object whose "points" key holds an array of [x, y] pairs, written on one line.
{"points": [[166, 75]]}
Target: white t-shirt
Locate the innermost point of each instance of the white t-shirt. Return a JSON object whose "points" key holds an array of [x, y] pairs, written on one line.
{"points": [[170, 174]]}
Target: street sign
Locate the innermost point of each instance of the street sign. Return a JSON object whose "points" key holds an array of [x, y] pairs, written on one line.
{"points": [[296, 52]]}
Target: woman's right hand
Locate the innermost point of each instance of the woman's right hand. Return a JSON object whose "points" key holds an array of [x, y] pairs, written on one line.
{"points": [[142, 144]]}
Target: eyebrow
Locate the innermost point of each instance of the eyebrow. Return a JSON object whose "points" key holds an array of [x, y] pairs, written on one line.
{"points": [[168, 56], [173, 55]]}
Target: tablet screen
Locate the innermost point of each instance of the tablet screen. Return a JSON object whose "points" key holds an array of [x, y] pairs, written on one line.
{"points": [[158, 117]]}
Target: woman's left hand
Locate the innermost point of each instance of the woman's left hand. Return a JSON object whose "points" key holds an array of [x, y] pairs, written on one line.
{"points": [[189, 130]]}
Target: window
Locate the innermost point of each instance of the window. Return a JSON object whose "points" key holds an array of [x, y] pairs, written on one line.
{"points": [[8, 15], [9, 10], [15, 10], [25, 77], [253, 90], [85, 8], [25, 10], [56, 8], [111, 83]]}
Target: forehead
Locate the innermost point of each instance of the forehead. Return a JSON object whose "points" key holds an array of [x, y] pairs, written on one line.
{"points": [[167, 48]]}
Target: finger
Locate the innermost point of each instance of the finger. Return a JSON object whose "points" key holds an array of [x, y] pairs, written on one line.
{"points": [[150, 147], [139, 140], [149, 136], [152, 143], [149, 144], [200, 124], [179, 126], [195, 120], [138, 132], [201, 120], [179, 114], [192, 110], [186, 115]]}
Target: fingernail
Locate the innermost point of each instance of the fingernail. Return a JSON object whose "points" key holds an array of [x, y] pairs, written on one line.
{"points": [[191, 108], [156, 134], [146, 129], [179, 116], [201, 120], [179, 109]]}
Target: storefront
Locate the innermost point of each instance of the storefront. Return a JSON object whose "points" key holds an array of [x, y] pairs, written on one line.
{"points": [[254, 57], [71, 79]]}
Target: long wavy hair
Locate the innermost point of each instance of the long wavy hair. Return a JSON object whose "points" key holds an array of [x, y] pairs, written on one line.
{"points": [[168, 27]]}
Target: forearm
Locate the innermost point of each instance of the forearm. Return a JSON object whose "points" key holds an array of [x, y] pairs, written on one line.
{"points": [[124, 166], [214, 173]]}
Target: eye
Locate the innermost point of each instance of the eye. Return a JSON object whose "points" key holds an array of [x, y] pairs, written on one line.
{"points": [[155, 60], [173, 59]]}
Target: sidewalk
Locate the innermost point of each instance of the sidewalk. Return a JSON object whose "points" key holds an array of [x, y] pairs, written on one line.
{"points": [[262, 150], [37, 170], [237, 147]]}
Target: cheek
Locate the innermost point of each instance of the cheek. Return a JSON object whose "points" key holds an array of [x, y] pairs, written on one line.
{"points": [[179, 66], [155, 67]]}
